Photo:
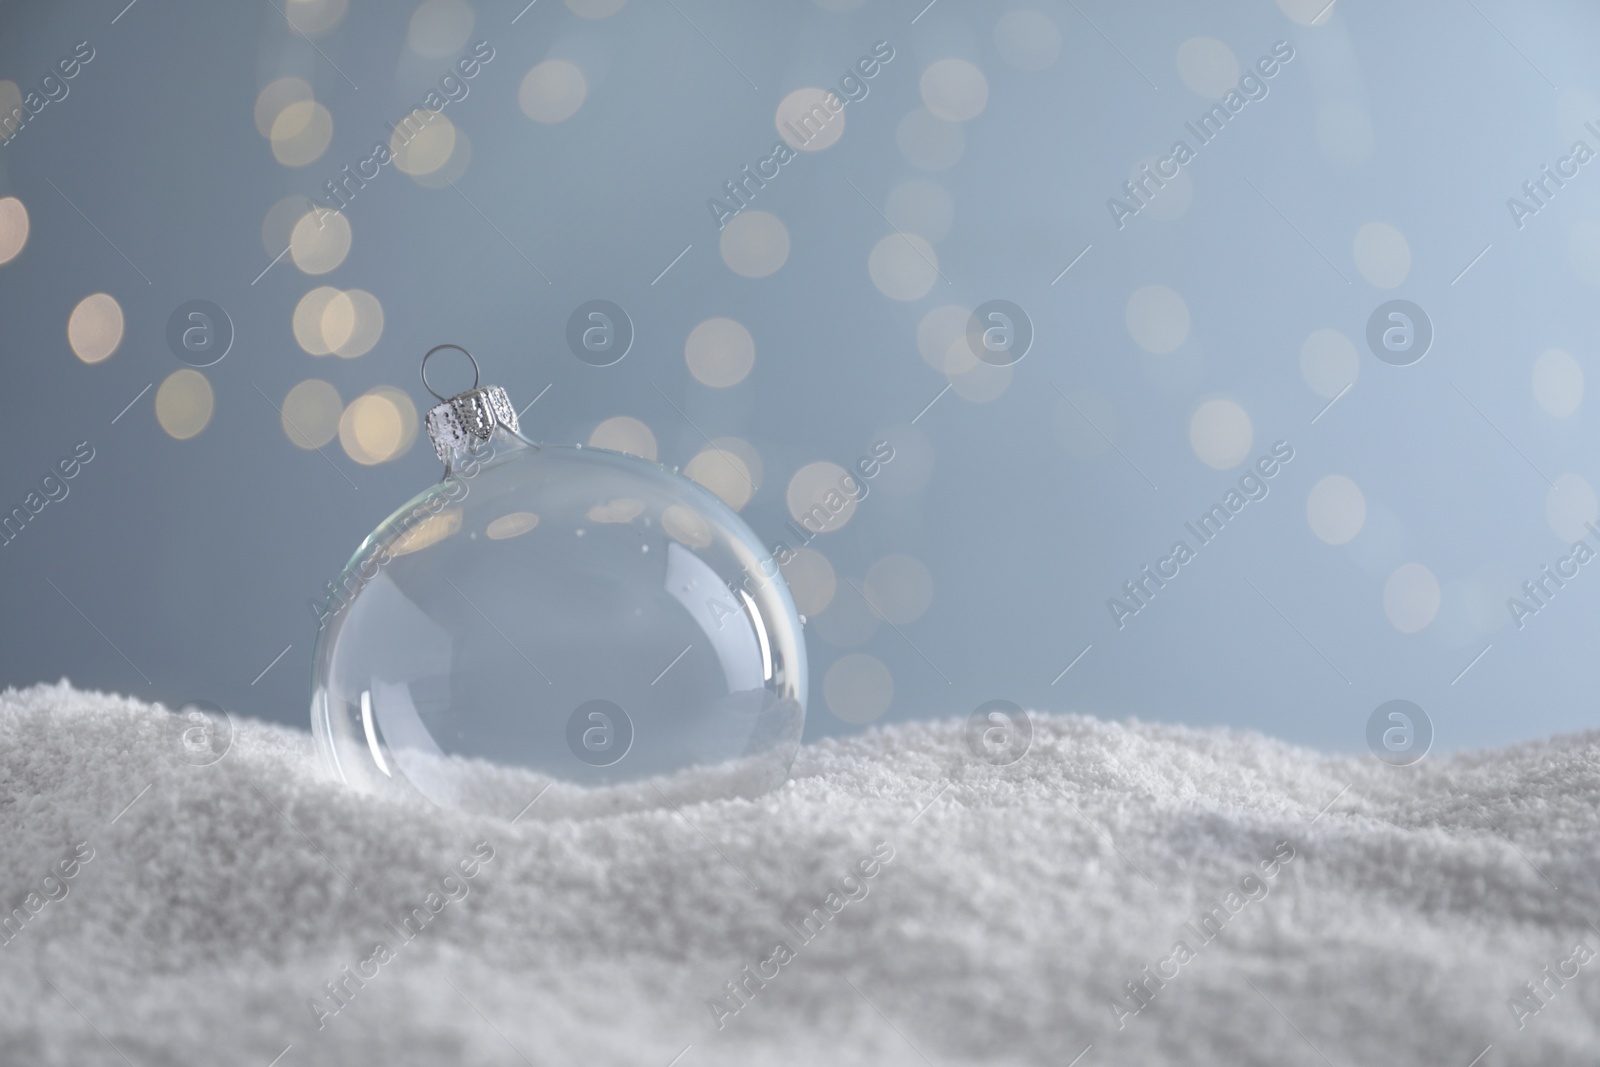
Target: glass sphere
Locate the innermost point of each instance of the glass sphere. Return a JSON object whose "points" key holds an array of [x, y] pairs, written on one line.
{"points": [[562, 623]]}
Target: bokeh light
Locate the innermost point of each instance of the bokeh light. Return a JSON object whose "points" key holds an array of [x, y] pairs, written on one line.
{"points": [[929, 142], [277, 95], [430, 531], [899, 587], [942, 339], [1027, 39], [1208, 67], [512, 525], [184, 403], [1382, 255], [311, 413], [1329, 362], [1307, 12], [724, 473], [595, 9], [352, 323], [308, 320], [1557, 382], [316, 245], [422, 151], [301, 133], [903, 266], [315, 17], [624, 433], [1411, 598], [1336, 509], [810, 119], [552, 91], [755, 244], [719, 352], [94, 329], [617, 511], [377, 426], [1220, 433], [819, 496], [686, 526], [13, 228], [1570, 507], [1157, 319], [811, 580], [858, 688], [439, 28], [954, 90]]}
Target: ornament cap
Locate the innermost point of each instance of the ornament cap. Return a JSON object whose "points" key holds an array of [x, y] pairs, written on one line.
{"points": [[456, 423]]}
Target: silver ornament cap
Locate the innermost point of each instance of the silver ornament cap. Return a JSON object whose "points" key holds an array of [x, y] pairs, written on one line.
{"points": [[457, 421]]}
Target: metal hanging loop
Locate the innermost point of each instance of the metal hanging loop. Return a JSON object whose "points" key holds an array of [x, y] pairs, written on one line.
{"points": [[440, 348]]}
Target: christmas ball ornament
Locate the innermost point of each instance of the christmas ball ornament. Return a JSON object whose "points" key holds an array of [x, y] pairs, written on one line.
{"points": [[556, 631]]}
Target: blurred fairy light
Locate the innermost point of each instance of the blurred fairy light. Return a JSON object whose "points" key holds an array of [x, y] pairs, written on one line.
{"points": [[820, 496], [1157, 319], [352, 323], [310, 414], [315, 17], [1220, 433], [316, 245], [454, 167], [430, 531], [1570, 507], [686, 526], [440, 28], [811, 580], [724, 473], [426, 150], [1027, 39], [1557, 383], [1329, 362], [617, 511], [552, 91], [331, 321], [1382, 255], [514, 524], [624, 433], [1336, 509], [806, 122], [277, 95], [94, 330], [378, 426], [13, 228], [981, 382], [954, 90], [755, 244], [942, 339], [301, 133], [929, 142], [903, 266], [719, 352], [1307, 12], [277, 225], [899, 587], [858, 688], [1208, 67], [184, 403], [1411, 598], [595, 9]]}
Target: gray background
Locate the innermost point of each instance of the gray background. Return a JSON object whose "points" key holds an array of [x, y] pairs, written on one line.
{"points": [[181, 568]]}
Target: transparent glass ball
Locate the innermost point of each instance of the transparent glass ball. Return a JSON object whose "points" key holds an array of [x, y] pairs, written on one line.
{"points": [[562, 623]]}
